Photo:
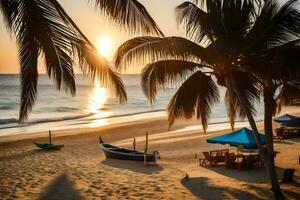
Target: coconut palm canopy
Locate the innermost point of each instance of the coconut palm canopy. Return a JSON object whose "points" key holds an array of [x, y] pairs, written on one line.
{"points": [[224, 37], [44, 29]]}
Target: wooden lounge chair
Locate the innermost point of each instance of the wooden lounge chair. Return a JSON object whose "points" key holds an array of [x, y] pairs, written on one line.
{"points": [[256, 161], [208, 159], [288, 175], [240, 148], [230, 160], [279, 134], [221, 155]]}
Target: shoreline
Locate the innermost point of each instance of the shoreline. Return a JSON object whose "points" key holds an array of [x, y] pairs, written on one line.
{"points": [[81, 168], [191, 125], [126, 120]]}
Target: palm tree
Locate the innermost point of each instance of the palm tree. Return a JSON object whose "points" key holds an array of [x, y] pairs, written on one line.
{"points": [[43, 29], [275, 48], [221, 46]]}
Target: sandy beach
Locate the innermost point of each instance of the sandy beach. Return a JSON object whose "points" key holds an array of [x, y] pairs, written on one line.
{"points": [[80, 170]]}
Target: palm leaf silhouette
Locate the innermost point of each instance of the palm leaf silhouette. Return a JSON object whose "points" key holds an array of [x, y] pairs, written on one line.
{"points": [[44, 29]]}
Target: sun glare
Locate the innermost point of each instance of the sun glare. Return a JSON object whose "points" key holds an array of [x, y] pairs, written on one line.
{"points": [[97, 99], [96, 103], [104, 46]]}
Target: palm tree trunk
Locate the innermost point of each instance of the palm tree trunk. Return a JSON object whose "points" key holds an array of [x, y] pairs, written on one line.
{"points": [[268, 101], [232, 84]]}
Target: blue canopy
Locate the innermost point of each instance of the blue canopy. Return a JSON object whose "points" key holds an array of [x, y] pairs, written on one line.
{"points": [[243, 137], [287, 119]]}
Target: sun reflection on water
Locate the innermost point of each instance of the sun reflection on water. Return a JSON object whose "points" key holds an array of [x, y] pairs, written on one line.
{"points": [[96, 104]]}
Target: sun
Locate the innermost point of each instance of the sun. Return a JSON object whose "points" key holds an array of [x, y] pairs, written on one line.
{"points": [[104, 46]]}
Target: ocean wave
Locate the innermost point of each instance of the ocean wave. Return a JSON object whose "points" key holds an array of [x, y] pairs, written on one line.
{"points": [[8, 121], [13, 123], [7, 107], [62, 109], [57, 119]]}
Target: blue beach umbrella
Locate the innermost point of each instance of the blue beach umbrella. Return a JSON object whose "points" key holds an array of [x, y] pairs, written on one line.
{"points": [[287, 119], [243, 137]]}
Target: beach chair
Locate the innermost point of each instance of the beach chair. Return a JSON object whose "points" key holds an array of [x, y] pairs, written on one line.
{"points": [[288, 175], [279, 134], [256, 161], [240, 148], [221, 155], [208, 159], [230, 160]]}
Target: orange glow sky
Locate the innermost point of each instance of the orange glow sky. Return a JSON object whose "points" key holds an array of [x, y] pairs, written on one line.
{"points": [[93, 24]]}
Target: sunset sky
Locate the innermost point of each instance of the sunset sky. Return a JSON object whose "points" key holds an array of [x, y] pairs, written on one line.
{"points": [[93, 24]]}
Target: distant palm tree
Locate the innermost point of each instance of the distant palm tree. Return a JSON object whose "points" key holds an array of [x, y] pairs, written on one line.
{"points": [[43, 29], [224, 37]]}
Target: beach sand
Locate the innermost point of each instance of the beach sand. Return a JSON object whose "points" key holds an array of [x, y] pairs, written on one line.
{"points": [[80, 170]]}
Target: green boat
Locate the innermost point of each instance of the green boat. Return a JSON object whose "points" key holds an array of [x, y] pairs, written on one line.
{"points": [[49, 146]]}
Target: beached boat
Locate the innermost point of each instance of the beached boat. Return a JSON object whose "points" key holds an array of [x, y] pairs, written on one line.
{"points": [[114, 152], [47, 146]]}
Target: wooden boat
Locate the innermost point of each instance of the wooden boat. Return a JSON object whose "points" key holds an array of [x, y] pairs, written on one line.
{"points": [[47, 146], [114, 152]]}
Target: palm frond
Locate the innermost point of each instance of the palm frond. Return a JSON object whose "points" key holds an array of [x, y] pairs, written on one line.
{"points": [[29, 51], [237, 17], [141, 50], [290, 93], [274, 27], [165, 73], [285, 24], [249, 87], [131, 14], [280, 62], [198, 24], [250, 90], [194, 98], [90, 61], [256, 37], [98, 68], [52, 37], [232, 105], [9, 10], [55, 36]]}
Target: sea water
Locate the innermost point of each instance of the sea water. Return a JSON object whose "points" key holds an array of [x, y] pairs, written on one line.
{"points": [[90, 107]]}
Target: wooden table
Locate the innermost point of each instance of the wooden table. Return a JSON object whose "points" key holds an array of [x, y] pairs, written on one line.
{"points": [[245, 159], [291, 131]]}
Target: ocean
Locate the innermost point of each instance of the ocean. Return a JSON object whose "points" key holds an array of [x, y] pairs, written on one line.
{"points": [[92, 105]]}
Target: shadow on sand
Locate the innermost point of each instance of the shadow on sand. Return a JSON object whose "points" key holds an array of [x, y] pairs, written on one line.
{"points": [[60, 188], [283, 142], [133, 166], [259, 174], [201, 187]]}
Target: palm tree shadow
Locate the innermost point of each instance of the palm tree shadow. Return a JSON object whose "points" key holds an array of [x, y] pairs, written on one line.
{"points": [[60, 188], [251, 176], [133, 166], [202, 188]]}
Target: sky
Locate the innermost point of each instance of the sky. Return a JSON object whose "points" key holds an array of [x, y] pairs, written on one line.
{"points": [[95, 27]]}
